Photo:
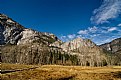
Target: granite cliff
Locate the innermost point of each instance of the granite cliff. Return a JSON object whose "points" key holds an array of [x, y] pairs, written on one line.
{"points": [[12, 32], [114, 50], [88, 53], [27, 46], [113, 46]]}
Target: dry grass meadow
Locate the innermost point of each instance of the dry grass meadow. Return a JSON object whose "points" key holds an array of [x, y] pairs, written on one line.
{"points": [[58, 72]]}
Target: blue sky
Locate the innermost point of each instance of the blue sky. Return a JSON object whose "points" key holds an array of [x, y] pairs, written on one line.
{"points": [[98, 20]]}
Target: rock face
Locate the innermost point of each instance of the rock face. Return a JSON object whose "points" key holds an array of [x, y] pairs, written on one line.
{"points": [[114, 49], [88, 53], [113, 46], [26, 46], [77, 43], [12, 32]]}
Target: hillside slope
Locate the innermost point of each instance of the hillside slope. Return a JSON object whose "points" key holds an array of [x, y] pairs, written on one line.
{"points": [[89, 54], [114, 48], [12, 32], [26, 46]]}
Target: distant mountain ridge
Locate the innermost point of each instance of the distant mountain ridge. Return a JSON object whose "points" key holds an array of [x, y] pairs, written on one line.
{"points": [[27, 46], [14, 33], [113, 46], [88, 52]]}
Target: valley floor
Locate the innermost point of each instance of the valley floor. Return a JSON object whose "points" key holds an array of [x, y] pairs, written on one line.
{"points": [[58, 72]]}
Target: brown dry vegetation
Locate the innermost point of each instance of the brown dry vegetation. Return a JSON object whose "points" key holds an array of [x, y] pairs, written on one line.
{"points": [[7, 66], [58, 72]]}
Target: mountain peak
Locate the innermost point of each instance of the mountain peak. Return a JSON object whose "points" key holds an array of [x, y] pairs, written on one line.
{"points": [[3, 15], [8, 22], [31, 46], [77, 43], [14, 33], [113, 46]]}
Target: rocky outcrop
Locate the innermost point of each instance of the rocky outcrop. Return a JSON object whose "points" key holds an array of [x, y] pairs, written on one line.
{"points": [[89, 54], [114, 51], [76, 43], [57, 44], [114, 46], [26, 46], [12, 32]]}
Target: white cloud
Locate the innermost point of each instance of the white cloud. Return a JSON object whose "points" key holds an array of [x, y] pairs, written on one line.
{"points": [[92, 29], [89, 30], [83, 32], [119, 24], [94, 35], [99, 35], [71, 36], [79, 36], [112, 29], [63, 37], [67, 37], [108, 10], [109, 39], [103, 41]]}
